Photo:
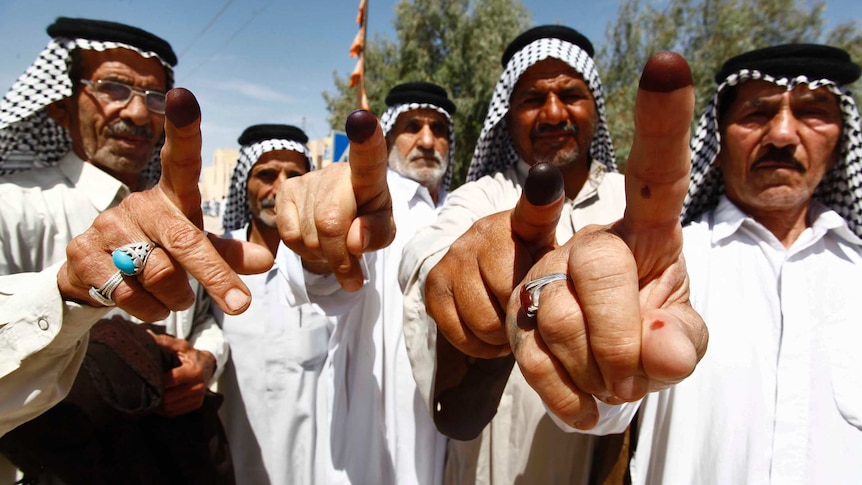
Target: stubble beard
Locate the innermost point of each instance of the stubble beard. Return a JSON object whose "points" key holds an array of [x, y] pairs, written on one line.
{"points": [[429, 177]]}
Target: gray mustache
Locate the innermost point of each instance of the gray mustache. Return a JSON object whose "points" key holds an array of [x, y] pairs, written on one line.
{"points": [[123, 127], [564, 127]]}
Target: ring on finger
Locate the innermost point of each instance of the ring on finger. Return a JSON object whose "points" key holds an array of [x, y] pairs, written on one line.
{"points": [[531, 291], [103, 293], [131, 258]]}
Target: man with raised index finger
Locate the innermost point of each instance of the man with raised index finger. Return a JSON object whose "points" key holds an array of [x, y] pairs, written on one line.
{"points": [[547, 107], [83, 128], [772, 242], [384, 434]]}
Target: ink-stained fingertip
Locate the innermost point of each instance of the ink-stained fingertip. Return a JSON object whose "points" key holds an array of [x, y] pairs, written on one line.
{"points": [[360, 125], [544, 184], [181, 107], [665, 72]]}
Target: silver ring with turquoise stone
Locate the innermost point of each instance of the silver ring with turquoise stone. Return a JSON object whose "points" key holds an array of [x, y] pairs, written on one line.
{"points": [[131, 258]]}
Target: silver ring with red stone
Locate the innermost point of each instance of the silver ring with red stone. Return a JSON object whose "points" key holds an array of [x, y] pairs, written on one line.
{"points": [[530, 292]]}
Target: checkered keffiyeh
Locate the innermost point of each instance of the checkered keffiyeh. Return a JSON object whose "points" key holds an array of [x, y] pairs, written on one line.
{"points": [[29, 138], [841, 187], [387, 121], [494, 151], [237, 213]]}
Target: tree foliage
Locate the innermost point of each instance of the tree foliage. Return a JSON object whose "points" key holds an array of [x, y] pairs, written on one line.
{"points": [[706, 33], [454, 43]]}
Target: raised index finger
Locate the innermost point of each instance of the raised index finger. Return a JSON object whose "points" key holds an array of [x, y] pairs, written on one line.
{"points": [[373, 227], [181, 155], [176, 225], [657, 177], [657, 173]]}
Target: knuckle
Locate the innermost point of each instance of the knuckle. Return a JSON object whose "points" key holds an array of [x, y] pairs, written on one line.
{"points": [[330, 223]]}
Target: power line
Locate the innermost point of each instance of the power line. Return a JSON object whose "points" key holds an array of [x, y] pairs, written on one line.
{"points": [[206, 27], [229, 39]]}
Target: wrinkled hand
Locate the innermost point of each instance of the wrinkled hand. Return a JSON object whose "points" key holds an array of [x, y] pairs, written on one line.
{"points": [[186, 385], [335, 214], [623, 325], [169, 215], [466, 293]]}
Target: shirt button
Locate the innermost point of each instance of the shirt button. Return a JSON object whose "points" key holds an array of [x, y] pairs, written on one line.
{"points": [[43, 323]]}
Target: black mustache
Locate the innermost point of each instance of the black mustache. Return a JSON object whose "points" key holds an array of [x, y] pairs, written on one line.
{"points": [[123, 127], [780, 155], [564, 127]]}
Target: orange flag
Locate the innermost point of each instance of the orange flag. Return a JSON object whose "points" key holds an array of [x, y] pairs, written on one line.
{"points": [[358, 71], [360, 17], [363, 103], [358, 43]]}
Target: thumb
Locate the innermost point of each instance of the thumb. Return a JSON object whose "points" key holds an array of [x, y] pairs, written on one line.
{"points": [[535, 217]]}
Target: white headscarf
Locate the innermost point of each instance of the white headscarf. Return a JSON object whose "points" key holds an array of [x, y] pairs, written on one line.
{"points": [[29, 138]]}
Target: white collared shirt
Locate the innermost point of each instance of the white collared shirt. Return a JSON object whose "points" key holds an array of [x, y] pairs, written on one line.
{"points": [[777, 399], [380, 429], [521, 443], [271, 383], [42, 337]]}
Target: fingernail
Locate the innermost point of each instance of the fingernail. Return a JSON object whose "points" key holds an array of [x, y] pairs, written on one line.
{"points": [[365, 234], [630, 388], [665, 72], [360, 125], [236, 300], [544, 184], [587, 422], [181, 107]]}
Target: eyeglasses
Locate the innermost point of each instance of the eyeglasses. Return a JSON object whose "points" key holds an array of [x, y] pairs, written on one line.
{"points": [[109, 92]]}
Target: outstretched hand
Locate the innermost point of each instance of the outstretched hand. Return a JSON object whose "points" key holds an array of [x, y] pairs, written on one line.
{"points": [[170, 216], [619, 326], [335, 214], [622, 325]]}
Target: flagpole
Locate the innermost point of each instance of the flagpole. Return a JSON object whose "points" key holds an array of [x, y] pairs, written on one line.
{"points": [[363, 101]]}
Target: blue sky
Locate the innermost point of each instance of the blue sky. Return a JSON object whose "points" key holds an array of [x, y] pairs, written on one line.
{"points": [[264, 61]]}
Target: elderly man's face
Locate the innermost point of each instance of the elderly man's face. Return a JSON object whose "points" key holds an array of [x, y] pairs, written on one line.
{"points": [[419, 146], [777, 145], [552, 115], [119, 139], [265, 176]]}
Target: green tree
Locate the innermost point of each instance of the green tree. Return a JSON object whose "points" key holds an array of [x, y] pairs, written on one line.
{"points": [[705, 32], [454, 43]]}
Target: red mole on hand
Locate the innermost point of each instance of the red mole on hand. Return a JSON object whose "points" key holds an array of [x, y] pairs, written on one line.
{"points": [[665, 72]]}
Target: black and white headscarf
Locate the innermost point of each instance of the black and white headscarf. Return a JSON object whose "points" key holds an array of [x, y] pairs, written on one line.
{"points": [[29, 138], [494, 151], [841, 187], [237, 213], [387, 121]]}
